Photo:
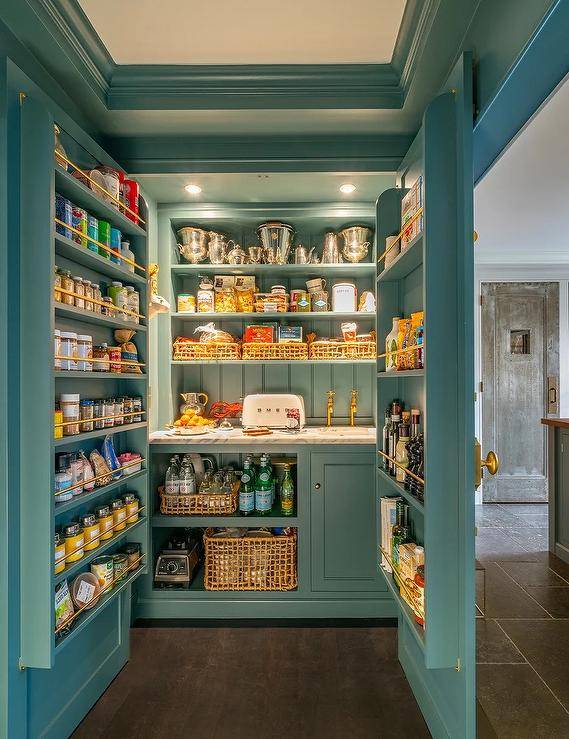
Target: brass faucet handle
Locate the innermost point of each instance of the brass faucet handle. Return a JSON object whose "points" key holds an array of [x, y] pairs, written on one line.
{"points": [[354, 395], [331, 394]]}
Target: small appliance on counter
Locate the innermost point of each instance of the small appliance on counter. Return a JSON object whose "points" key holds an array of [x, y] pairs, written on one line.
{"points": [[178, 562], [272, 410]]}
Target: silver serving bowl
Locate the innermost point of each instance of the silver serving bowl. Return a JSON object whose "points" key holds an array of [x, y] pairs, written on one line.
{"points": [[356, 242]]}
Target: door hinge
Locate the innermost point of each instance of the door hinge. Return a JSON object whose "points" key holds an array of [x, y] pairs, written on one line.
{"points": [[458, 665], [482, 300], [21, 97], [481, 386], [21, 665]]}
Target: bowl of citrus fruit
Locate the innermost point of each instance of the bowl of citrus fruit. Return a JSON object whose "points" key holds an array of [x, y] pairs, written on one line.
{"points": [[191, 423]]}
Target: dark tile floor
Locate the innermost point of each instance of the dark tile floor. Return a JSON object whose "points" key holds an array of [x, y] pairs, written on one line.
{"points": [[217, 683], [523, 642]]}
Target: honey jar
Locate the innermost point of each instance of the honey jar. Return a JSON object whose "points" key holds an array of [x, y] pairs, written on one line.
{"points": [[91, 531], [105, 519], [74, 541], [59, 553], [119, 514], [131, 503]]}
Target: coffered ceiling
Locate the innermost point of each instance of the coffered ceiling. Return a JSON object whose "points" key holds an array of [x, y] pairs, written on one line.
{"points": [[251, 32]]}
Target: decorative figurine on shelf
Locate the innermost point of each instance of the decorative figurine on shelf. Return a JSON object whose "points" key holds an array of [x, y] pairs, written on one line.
{"points": [[156, 304]]}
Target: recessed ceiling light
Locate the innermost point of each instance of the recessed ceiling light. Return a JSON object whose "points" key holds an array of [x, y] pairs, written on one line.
{"points": [[193, 189], [348, 188]]}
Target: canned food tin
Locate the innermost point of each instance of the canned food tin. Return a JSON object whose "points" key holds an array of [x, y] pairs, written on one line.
{"points": [[132, 552], [302, 302], [104, 237], [116, 238], [120, 566], [93, 233], [79, 221], [103, 569], [63, 212], [115, 358]]}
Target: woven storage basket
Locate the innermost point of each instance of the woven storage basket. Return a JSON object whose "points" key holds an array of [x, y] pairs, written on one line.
{"points": [[185, 350], [198, 504], [264, 563], [343, 350], [275, 351]]}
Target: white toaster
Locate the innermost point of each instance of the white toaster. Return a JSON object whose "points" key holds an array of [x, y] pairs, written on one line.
{"points": [[269, 409]]}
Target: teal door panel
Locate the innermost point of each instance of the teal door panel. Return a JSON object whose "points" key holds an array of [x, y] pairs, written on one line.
{"points": [[343, 522]]}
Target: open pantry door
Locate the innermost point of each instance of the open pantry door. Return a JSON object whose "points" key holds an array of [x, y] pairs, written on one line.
{"points": [[428, 277]]}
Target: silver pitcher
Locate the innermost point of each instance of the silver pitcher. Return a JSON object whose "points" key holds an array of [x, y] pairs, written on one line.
{"points": [[356, 242], [331, 250], [236, 255], [302, 255], [193, 246], [217, 249], [276, 238]]}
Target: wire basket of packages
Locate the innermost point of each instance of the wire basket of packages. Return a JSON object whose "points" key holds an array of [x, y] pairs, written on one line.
{"points": [[199, 504], [259, 560], [213, 344], [266, 351]]}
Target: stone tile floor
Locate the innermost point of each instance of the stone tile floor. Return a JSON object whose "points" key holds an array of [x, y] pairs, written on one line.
{"points": [[523, 641]]}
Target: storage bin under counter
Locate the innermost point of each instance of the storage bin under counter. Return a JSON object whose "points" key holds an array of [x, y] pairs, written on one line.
{"points": [[558, 484]]}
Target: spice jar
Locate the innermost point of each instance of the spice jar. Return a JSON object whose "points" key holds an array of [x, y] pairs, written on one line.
{"points": [[205, 297], [119, 514], [59, 553], [84, 352], [70, 407], [76, 473], [67, 285], [63, 478], [137, 408], [132, 552], [118, 294], [56, 349], [68, 349], [119, 412], [101, 358], [132, 504], [120, 566], [105, 518], [97, 298], [87, 284], [57, 421], [74, 541], [115, 358], [128, 408], [91, 531], [108, 308], [87, 413], [79, 290], [98, 413], [109, 412], [133, 304], [57, 285]]}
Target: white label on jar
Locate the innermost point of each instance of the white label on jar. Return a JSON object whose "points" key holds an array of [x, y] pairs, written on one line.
{"points": [[92, 533], [105, 524], [120, 514], [59, 554], [85, 592]]}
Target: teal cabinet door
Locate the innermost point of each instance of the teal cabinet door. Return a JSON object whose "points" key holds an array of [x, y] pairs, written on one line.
{"points": [[343, 522]]}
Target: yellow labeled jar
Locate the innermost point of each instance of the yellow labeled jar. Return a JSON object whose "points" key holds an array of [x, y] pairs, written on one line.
{"points": [[118, 508], [74, 542], [59, 553], [131, 503], [91, 531], [105, 519]]}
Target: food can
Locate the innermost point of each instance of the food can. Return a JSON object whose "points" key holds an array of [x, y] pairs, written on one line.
{"points": [[103, 569], [120, 566], [132, 552], [118, 508], [302, 302], [319, 301], [131, 190], [91, 531], [87, 413], [63, 212], [186, 303], [74, 541], [59, 553], [79, 221], [104, 238], [92, 233], [116, 238], [105, 518]]}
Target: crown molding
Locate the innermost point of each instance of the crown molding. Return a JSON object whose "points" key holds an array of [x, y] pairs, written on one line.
{"points": [[411, 39]]}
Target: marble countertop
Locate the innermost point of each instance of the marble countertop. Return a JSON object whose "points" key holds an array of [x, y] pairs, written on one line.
{"points": [[308, 435]]}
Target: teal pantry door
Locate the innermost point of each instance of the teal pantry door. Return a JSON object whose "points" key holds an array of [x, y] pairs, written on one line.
{"points": [[435, 274]]}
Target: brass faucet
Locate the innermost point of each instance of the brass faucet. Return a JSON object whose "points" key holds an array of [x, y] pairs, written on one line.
{"points": [[353, 407], [330, 407]]}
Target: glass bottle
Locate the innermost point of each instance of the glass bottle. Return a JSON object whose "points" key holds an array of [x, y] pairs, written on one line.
{"points": [[415, 422], [391, 346], [393, 431], [385, 438], [263, 489], [400, 532], [401, 448], [187, 479], [287, 493], [172, 480], [247, 491]]}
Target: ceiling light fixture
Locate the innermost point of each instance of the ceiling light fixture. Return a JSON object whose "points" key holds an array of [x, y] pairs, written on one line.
{"points": [[193, 189], [348, 188]]}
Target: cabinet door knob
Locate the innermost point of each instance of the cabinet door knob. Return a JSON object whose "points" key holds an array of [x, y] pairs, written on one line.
{"points": [[317, 486]]}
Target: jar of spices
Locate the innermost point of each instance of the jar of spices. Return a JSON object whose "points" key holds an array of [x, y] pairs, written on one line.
{"points": [[56, 349], [97, 298], [109, 412], [128, 408], [79, 290], [120, 566], [119, 412], [57, 285], [74, 542], [133, 303], [105, 518], [117, 293], [57, 421], [87, 284], [59, 553], [84, 352], [100, 358], [108, 308], [67, 285], [118, 508], [87, 413], [68, 348], [76, 473], [205, 296], [137, 408], [132, 552], [70, 407], [98, 413], [91, 531], [132, 505], [115, 358], [62, 478]]}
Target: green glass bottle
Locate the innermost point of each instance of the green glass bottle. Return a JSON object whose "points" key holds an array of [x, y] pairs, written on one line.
{"points": [[400, 532], [264, 489], [287, 493], [247, 491]]}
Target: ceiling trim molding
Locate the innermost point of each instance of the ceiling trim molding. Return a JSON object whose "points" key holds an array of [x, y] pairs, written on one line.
{"points": [[411, 39]]}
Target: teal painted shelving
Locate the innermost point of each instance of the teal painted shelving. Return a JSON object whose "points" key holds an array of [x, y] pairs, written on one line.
{"points": [[397, 488], [86, 316], [417, 631], [64, 247], [322, 315], [405, 263], [78, 375], [314, 270], [70, 187], [79, 500], [99, 432], [159, 521], [275, 362], [398, 375]]}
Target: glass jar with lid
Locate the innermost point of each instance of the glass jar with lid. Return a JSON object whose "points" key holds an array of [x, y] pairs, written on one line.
{"points": [[105, 518], [97, 298], [79, 290], [205, 296], [88, 294], [57, 285], [59, 553], [100, 358], [67, 285], [132, 504], [74, 542], [91, 531], [118, 508]]}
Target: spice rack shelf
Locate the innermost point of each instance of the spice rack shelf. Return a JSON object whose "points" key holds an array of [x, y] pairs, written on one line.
{"points": [[78, 374], [79, 500], [250, 362], [400, 490], [417, 631], [403, 373], [99, 432], [77, 314], [67, 248], [160, 521], [310, 270], [87, 616], [405, 263], [104, 546], [318, 315], [79, 194]]}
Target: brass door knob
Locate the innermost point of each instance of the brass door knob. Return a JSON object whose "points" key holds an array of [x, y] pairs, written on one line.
{"points": [[492, 463], [317, 486]]}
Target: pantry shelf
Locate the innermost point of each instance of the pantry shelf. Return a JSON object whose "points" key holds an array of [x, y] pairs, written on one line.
{"points": [[64, 247], [78, 500], [197, 591], [319, 315], [250, 362], [79, 194], [66, 440], [78, 374], [417, 631], [400, 490], [405, 263], [159, 521], [90, 614], [398, 375], [104, 546], [310, 270], [77, 314]]}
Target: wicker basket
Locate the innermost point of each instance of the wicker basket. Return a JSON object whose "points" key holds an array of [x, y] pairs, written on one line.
{"points": [[343, 350], [186, 350], [275, 351], [198, 504], [263, 563]]}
